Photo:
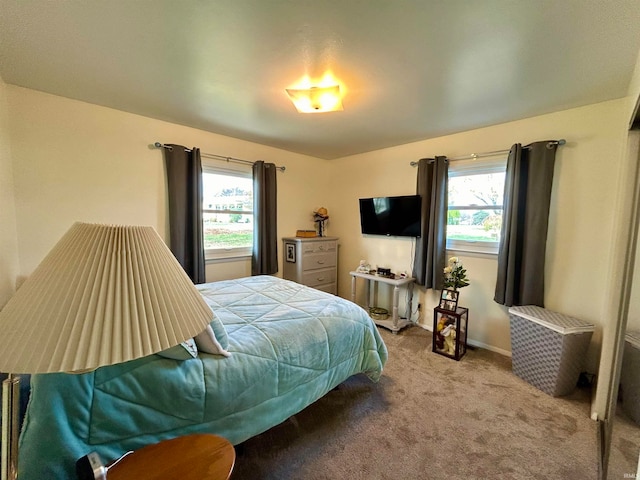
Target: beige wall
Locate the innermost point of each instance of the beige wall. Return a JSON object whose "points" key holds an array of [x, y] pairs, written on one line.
{"points": [[8, 236], [75, 161], [580, 225]]}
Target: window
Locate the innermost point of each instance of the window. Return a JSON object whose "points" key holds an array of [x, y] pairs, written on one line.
{"points": [[474, 218], [227, 213]]}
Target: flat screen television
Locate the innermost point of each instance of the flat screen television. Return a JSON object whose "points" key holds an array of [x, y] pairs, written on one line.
{"points": [[391, 216]]}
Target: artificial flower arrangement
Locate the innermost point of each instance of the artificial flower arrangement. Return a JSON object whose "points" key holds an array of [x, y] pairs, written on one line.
{"points": [[455, 275]]}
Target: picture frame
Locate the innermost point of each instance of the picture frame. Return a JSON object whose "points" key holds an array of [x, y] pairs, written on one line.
{"points": [[449, 300], [290, 252]]}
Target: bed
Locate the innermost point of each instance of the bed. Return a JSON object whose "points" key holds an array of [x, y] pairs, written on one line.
{"points": [[289, 345]]}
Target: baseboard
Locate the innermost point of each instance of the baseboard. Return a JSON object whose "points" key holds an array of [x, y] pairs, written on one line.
{"points": [[475, 343]]}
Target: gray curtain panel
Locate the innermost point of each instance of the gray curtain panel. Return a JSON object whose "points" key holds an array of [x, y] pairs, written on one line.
{"points": [[264, 260], [429, 262], [184, 180], [523, 240]]}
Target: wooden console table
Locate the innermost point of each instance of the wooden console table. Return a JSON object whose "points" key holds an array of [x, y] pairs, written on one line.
{"points": [[395, 324], [192, 457]]}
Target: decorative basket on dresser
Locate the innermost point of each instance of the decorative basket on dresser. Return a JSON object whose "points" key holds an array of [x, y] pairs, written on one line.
{"points": [[312, 262]]}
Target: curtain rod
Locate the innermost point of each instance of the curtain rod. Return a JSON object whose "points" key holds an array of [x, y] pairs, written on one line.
{"points": [[214, 156], [473, 156]]}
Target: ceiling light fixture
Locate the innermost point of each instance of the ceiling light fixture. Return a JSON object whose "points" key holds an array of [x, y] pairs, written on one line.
{"points": [[316, 99]]}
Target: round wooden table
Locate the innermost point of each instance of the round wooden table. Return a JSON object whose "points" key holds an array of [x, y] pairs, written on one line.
{"points": [[191, 457]]}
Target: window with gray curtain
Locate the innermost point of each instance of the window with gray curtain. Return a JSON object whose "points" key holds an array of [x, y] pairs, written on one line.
{"points": [[264, 260], [523, 240], [432, 185], [184, 181]]}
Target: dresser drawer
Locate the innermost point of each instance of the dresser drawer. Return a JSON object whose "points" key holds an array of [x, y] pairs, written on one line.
{"points": [[312, 261], [319, 247], [319, 277]]}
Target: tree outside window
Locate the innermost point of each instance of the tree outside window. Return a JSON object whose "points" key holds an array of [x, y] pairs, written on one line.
{"points": [[474, 218]]}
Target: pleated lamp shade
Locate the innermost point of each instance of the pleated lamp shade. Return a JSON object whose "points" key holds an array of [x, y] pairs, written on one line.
{"points": [[104, 295]]}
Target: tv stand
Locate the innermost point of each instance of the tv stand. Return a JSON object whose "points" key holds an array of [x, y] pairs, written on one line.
{"points": [[395, 324]]}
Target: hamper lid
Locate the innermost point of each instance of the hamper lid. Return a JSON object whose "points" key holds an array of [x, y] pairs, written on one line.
{"points": [[555, 321], [633, 337]]}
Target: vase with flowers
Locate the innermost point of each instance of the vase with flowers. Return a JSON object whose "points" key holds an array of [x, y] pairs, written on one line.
{"points": [[455, 275]]}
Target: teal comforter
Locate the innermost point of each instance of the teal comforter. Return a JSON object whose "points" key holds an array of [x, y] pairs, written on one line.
{"points": [[289, 346]]}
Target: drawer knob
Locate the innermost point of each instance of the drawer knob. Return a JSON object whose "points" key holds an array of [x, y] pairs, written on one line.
{"points": [[320, 279], [321, 262]]}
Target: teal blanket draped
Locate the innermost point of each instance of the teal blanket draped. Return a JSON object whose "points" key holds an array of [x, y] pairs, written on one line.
{"points": [[289, 346]]}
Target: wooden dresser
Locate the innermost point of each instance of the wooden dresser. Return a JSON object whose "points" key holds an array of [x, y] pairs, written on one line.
{"points": [[312, 262]]}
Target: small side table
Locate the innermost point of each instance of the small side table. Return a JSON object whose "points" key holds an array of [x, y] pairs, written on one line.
{"points": [[191, 457], [395, 324], [450, 332]]}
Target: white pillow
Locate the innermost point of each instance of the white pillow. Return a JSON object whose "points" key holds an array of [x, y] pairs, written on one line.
{"points": [[207, 342]]}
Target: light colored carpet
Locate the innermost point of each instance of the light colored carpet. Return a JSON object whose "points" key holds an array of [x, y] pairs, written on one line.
{"points": [[431, 417]]}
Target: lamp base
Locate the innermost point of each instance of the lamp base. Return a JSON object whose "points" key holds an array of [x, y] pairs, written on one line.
{"points": [[10, 408]]}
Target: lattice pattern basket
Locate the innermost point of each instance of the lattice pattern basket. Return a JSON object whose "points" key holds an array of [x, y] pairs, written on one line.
{"points": [[548, 348]]}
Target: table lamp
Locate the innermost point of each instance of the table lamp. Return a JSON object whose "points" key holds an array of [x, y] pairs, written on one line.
{"points": [[105, 294]]}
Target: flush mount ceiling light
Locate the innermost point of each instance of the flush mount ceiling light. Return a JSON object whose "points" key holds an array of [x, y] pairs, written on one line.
{"points": [[316, 99]]}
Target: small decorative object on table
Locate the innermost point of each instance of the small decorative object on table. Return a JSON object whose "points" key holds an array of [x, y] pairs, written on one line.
{"points": [[384, 272], [320, 217], [364, 267], [450, 332], [378, 313], [306, 233], [449, 300]]}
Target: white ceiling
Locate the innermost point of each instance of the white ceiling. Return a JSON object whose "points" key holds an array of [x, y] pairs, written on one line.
{"points": [[412, 69]]}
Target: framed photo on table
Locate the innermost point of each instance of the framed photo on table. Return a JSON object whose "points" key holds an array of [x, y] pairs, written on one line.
{"points": [[290, 252], [449, 300]]}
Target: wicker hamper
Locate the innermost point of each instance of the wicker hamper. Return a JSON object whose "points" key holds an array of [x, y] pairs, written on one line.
{"points": [[548, 348]]}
